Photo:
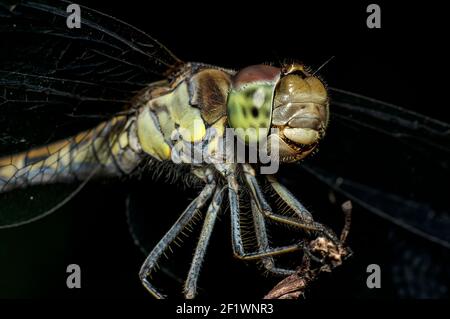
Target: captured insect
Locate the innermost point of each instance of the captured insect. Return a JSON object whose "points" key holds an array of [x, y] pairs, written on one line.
{"points": [[160, 113]]}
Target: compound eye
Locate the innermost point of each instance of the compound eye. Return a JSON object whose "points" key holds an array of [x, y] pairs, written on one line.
{"points": [[250, 111]]}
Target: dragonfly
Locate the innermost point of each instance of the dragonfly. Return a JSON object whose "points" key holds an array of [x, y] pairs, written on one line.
{"points": [[150, 106]]}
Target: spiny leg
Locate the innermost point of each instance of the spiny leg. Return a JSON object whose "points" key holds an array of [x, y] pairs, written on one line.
{"points": [[290, 199], [264, 208], [190, 287], [152, 259], [236, 235], [263, 243]]}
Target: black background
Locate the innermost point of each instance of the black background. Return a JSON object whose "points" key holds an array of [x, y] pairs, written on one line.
{"points": [[399, 63]]}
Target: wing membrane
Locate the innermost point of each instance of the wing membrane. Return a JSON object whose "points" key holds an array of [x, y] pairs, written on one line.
{"points": [[416, 217], [420, 132], [393, 162], [112, 47], [77, 77], [56, 82]]}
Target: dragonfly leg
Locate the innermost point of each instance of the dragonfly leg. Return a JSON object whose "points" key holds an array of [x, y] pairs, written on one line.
{"points": [[264, 208], [228, 171], [236, 235], [290, 199], [263, 243], [152, 259], [190, 287]]}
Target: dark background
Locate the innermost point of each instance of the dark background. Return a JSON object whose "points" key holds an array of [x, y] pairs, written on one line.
{"points": [[400, 63]]}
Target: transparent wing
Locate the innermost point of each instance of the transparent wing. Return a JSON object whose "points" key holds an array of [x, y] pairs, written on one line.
{"points": [[109, 48], [56, 82], [391, 161], [76, 76]]}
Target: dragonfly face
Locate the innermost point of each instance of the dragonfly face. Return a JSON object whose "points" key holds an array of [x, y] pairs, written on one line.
{"points": [[289, 99]]}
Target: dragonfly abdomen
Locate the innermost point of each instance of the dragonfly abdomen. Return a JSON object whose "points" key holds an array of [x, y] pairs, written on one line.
{"points": [[104, 150]]}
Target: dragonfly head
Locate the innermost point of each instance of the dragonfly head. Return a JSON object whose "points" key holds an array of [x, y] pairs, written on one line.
{"points": [[300, 112], [290, 100]]}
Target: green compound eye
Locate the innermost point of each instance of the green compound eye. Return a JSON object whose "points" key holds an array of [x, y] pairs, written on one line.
{"points": [[250, 111]]}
